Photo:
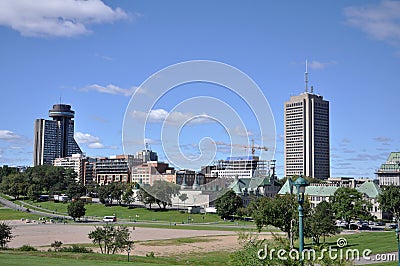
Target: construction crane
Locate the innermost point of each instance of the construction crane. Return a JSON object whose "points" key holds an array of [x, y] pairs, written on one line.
{"points": [[252, 146]]}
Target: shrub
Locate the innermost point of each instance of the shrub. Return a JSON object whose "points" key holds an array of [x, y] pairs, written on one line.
{"points": [[27, 248], [76, 249], [151, 254], [56, 245]]}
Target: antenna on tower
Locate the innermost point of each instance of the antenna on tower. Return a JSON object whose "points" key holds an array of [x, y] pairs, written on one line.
{"points": [[306, 77]]}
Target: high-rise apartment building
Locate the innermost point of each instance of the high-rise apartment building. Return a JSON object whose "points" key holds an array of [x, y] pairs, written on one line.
{"points": [[55, 138], [307, 135]]}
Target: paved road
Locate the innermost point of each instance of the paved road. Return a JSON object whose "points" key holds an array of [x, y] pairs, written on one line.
{"points": [[17, 207]]}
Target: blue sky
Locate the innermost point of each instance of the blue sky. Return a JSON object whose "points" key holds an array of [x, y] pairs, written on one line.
{"points": [[95, 54]]}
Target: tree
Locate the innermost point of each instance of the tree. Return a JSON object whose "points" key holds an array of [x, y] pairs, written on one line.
{"points": [[76, 209], [146, 197], [76, 190], [110, 238], [127, 197], [5, 234], [322, 222], [14, 185], [161, 192], [116, 191], [104, 193], [228, 204], [389, 200], [183, 197], [279, 212], [348, 203]]}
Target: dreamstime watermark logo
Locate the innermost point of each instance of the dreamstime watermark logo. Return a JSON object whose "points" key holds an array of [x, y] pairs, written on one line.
{"points": [[338, 252], [206, 106]]}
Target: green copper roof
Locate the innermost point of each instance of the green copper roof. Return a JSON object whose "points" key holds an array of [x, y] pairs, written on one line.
{"points": [[249, 184], [239, 185], [286, 188], [394, 157], [325, 191], [370, 189], [392, 163]]}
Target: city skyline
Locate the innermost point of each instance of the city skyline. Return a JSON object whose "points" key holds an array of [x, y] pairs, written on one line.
{"points": [[95, 59]]}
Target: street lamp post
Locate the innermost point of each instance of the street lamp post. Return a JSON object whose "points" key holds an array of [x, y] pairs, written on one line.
{"points": [[398, 245], [300, 185]]}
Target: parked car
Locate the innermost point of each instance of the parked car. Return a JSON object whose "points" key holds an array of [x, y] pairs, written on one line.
{"points": [[364, 226], [380, 223], [393, 226], [109, 219]]}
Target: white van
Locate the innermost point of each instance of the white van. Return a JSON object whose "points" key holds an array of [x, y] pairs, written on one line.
{"points": [[109, 219]]}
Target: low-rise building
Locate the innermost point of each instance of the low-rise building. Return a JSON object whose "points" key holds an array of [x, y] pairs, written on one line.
{"points": [[318, 192]]}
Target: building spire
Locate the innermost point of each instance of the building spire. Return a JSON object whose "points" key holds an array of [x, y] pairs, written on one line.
{"points": [[306, 78]]}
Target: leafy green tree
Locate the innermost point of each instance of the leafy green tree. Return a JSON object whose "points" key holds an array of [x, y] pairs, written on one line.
{"points": [[14, 185], [128, 195], [183, 197], [321, 222], [116, 191], [348, 204], [162, 191], [76, 190], [5, 234], [279, 212], [254, 251], [104, 193], [146, 197], [111, 239], [389, 200], [5, 170], [228, 204], [76, 209]]}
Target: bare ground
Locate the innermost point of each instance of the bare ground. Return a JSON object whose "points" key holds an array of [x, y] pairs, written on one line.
{"points": [[146, 239]]}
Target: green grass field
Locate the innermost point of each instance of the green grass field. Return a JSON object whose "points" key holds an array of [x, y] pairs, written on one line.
{"points": [[139, 214], [9, 214], [14, 258], [377, 242]]}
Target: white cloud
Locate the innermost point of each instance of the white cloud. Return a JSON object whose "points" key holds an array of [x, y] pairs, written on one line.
{"points": [[96, 145], [383, 140], [173, 118], [110, 89], [320, 65], [242, 132], [85, 138], [91, 142], [380, 21], [60, 18], [151, 141], [9, 136]]}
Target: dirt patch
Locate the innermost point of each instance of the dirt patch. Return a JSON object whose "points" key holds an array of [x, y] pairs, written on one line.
{"points": [[42, 235]]}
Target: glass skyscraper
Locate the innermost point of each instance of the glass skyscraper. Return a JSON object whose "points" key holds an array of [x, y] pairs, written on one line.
{"points": [[55, 138]]}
